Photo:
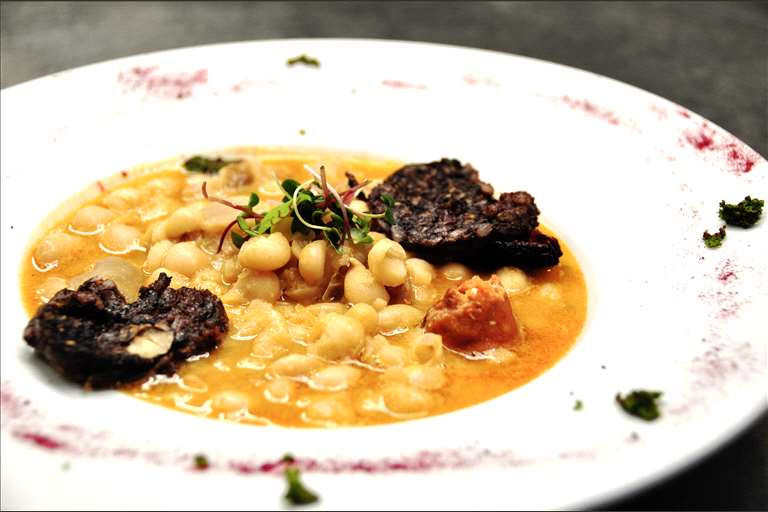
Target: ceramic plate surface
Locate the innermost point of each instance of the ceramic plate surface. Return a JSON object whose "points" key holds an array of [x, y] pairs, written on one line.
{"points": [[629, 180]]}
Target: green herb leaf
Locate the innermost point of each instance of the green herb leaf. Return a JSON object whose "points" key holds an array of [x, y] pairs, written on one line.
{"points": [[245, 227], [206, 165], [579, 405], [237, 239], [640, 403], [297, 493], [290, 186], [714, 240], [253, 200], [201, 462], [304, 59], [389, 201], [360, 236], [744, 215], [333, 236], [274, 216]]}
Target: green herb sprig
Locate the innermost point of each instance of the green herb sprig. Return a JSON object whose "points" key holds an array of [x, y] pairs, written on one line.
{"points": [[206, 165], [313, 206]]}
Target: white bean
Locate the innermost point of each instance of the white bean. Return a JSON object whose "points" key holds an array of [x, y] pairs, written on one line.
{"points": [[312, 262], [91, 219], [184, 220], [366, 315], [50, 287], [280, 390], [252, 285], [331, 410], [403, 399], [266, 252], [425, 377], [427, 349], [320, 309], [398, 317], [294, 365], [361, 287], [229, 401], [156, 254], [335, 378], [119, 238], [455, 272], [122, 199], [342, 337], [185, 258], [386, 260], [513, 279], [57, 249], [420, 271]]}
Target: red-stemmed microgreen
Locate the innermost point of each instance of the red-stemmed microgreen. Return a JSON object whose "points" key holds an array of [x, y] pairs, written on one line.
{"points": [[314, 206]]}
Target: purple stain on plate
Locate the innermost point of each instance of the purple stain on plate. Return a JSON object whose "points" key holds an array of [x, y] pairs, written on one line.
{"points": [[162, 85], [400, 84], [591, 109]]}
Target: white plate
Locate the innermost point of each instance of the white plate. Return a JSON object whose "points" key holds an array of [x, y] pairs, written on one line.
{"points": [[628, 179]]}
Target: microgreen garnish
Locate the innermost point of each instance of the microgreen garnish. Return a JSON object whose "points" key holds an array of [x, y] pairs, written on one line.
{"points": [[713, 240], [313, 206], [640, 403], [206, 165], [304, 59], [579, 405]]}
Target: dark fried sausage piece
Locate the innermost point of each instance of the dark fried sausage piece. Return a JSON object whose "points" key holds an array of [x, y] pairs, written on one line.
{"points": [[93, 337], [444, 212]]}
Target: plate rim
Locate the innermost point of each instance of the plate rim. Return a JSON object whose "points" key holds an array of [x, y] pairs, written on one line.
{"points": [[629, 489]]}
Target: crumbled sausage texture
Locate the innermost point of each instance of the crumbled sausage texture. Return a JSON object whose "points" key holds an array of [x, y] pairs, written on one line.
{"points": [[443, 211], [474, 316], [93, 337]]}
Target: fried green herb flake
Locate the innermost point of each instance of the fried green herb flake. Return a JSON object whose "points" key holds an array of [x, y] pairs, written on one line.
{"points": [[713, 240], [201, 462], [640, 403], [297, 493], [744, 215], [206, 165], [304, 59]]}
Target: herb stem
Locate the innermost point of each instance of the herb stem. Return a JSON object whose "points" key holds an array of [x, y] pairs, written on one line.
{"points": [[224, 201], [328, 188], [296, 208]]}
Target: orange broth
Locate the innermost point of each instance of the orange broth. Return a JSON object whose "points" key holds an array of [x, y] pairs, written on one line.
{"points": [[551, 310]]}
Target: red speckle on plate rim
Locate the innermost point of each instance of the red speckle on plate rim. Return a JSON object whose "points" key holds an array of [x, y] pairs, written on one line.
{"points": [[739, 158], [401, 84], [471, 79], [28, 425], [591, 109], [163, 85]]}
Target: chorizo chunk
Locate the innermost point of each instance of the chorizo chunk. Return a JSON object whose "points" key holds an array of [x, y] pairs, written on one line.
{"points": [[92, 336], [474, 316]]}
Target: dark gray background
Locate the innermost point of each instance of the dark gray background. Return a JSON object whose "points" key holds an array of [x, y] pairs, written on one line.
{"points": [[710, 57]]}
